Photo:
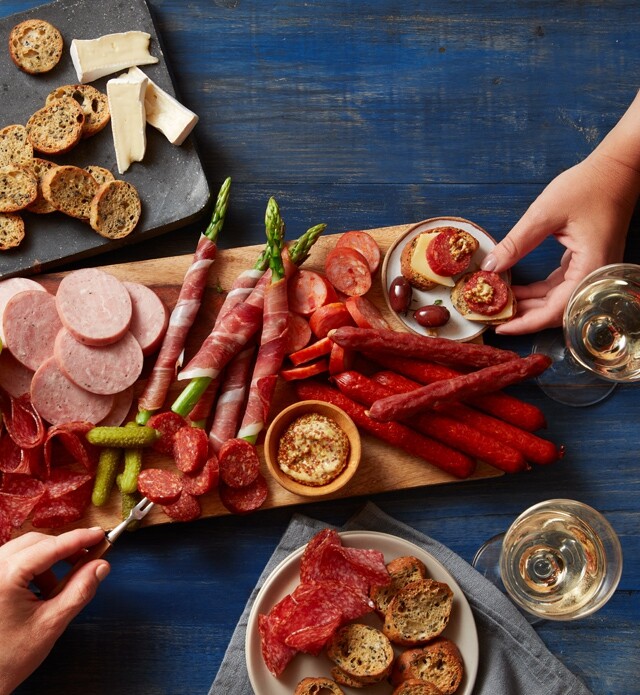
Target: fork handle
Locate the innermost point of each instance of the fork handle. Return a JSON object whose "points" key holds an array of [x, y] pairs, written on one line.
{"points": [[93, 553]]}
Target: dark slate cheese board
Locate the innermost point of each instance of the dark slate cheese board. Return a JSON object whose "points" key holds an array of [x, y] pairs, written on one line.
{"points": [[170, 180]]}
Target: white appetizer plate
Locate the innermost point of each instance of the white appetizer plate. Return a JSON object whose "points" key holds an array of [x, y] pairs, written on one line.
{"points": [[458, 328], [286, 576]]}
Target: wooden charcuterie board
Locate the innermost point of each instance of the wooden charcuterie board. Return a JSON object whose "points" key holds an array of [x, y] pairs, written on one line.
{"points": [[383, 467]]}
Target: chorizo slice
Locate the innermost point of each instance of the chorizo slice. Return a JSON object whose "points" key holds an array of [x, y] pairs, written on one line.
{"points": [[348, 271]]}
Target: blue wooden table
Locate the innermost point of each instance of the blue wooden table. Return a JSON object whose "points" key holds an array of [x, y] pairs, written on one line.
{"points": [[361, 115]]}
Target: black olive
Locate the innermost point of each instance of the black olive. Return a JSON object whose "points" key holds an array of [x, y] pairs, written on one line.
{"points": [[432, 316], [400, 295]]}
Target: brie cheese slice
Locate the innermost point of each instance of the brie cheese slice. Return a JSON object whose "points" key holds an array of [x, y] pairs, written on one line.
{"points": [[419, 260], [94, 58], [126, 103], [166, 113]]}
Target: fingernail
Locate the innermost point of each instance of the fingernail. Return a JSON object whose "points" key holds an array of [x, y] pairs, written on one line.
{"points": [[489, 263], [102, 570]]}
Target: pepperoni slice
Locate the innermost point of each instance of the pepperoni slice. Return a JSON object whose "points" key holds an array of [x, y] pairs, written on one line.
{"points": [[449, 253], [167, 423], [186, 508], [190, 449], [239, 463], [247, 499], [159, 486], [365, 244], [486, 293], [205, 481]]}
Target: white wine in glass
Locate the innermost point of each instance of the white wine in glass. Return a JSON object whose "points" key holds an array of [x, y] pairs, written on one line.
{"points": [[601, 326], [559, 560]]}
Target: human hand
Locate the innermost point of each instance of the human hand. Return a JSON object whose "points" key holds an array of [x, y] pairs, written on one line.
{"points": [[587, 209], [30, 626]]}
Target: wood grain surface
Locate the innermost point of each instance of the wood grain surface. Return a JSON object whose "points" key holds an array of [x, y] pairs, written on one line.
{"points": [[383, 467]]}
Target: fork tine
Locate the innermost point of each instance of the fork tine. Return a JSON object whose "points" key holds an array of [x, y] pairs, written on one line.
{"points": [[141, 509]]}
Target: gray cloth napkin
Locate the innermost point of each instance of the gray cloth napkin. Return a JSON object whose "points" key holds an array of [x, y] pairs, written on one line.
{"points": [[513, 659]]}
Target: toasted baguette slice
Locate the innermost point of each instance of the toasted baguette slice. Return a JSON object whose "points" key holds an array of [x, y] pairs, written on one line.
{"points": [[362, 652], [94, 105], [100, 174], [11, 230], [419, 612], [57, 127], [459, 302], [115, 209], [70, 189], [18, 188], [35, 46], [417, 687], [318, 686], [439, 662], [403, 570], [345, 679], [15, 147], [40, 167]]}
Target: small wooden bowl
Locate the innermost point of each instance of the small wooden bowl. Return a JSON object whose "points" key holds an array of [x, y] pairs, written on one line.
{"points": [[280, 424]]}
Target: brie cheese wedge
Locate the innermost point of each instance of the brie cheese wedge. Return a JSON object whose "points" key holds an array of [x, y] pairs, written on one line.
{"points": [[420, 264], [94, 58], [126, 104], [166, 113]]}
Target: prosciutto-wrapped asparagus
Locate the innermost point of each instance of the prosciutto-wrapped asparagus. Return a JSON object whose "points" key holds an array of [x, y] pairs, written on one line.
{"points": [[184, 312]]}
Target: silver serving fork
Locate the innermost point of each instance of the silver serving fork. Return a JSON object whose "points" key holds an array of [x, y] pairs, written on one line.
{"points": [[100, 549]]}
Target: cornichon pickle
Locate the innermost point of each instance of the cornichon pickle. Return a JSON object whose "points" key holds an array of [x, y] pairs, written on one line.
{"points": [[105, 475], [128, 479], [123, 437], [128, 502]]}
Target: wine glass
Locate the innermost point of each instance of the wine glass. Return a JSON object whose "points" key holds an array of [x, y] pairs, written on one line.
{"points": [[559, 560], [601, 338]]}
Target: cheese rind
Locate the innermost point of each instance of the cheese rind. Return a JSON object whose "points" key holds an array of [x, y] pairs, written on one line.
{"points": [[166, 113], [420, 264], [94, 58], [128, 121]]}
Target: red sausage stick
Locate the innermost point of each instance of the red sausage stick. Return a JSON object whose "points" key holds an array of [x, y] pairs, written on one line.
{"points": [[441, 427], [389, 342], [403, 405], [501, 405], [532, 447], [454, 462]]}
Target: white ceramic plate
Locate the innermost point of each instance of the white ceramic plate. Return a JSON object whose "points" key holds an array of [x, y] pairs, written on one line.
{"points": [[457, 328], [286, 576]]}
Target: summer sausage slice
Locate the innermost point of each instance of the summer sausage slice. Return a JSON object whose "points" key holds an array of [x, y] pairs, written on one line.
{"points": [[105, 370], [149, 317], [59, 400], [15, 378], [11, 287], [30, 323], [94, 306], [121, 406]]}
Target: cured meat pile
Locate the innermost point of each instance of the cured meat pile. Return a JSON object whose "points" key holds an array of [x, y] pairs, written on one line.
{"points": [[333, 589]]}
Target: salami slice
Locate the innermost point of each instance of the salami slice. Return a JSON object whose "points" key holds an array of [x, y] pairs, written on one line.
{"points": [[308, 290], [18, 507], [6, 531], [275, 653], [247, 499], [186, 508], [167, 423], [299, 333], [30, 324], [204, 481], [11, 287], [486, 293], [104, 370], [15, 378], [160, 486], [71, 435], [94, 306], [239, 463], [328, 317], [449, 253], [21, 420], [190, 449], [348, 271], [311, 560], [365, 244], [365, 313], [149, 317], [59, 400]]}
